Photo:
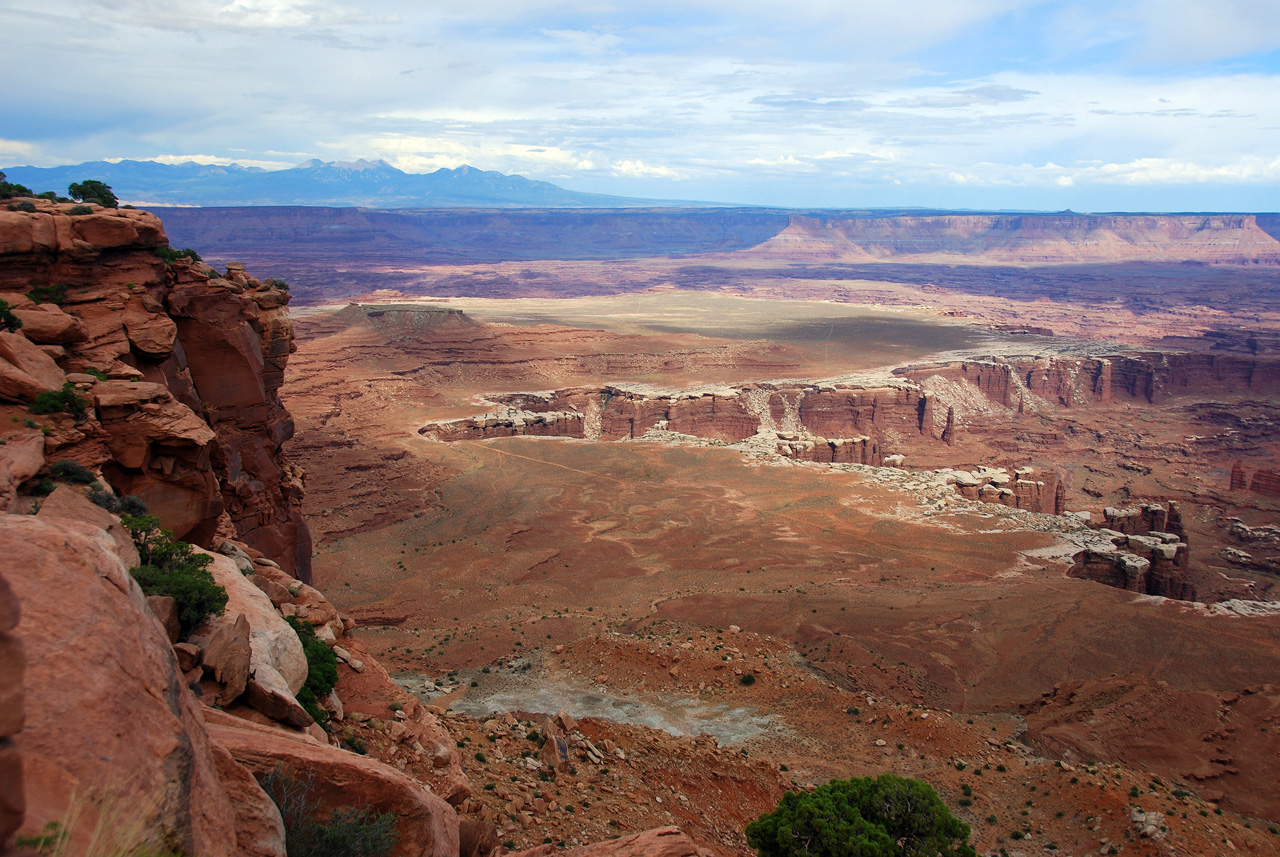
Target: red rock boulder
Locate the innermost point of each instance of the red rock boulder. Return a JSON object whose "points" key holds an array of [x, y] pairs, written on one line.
{"points": [[428, 827]]}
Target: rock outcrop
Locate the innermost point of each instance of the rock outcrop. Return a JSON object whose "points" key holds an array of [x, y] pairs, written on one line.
{"points": [[838, 423], [659, 842], [1151, 564], [145, 765], [427, 825], [121, 744], [13, 802], [179, 366]]}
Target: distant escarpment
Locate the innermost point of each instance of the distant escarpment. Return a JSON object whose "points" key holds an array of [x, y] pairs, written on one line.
{"points": [[375, 240], [164, 376], [1031, 239]]}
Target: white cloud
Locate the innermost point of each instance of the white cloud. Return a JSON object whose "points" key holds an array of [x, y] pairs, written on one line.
{"points": [[733, 98], [232, 15], [14, 150], [639, 169]]}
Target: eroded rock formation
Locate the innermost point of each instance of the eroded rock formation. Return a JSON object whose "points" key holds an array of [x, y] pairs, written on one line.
{"points": [[837, 423], [180, 366]]}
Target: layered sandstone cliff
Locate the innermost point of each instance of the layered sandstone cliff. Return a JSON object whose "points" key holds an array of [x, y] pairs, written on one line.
{"points": [[179, 366]]}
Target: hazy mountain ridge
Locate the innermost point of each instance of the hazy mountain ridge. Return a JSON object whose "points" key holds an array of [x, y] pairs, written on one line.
{"points": [[314, 182]]}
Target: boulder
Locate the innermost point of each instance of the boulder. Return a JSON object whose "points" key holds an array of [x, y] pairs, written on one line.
{"points": [[125, 739], [21, 458], [226, 658], [47, 324], [71, 505], [428, 826], [259, 827], [150, 331], [272, 641], [268, 692], [25, 370], [166, 610]]}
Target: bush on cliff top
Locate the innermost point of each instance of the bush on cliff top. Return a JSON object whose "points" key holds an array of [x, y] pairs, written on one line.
{"points": [[174, 569], [92, 190], [168, 255], [9, 189], [889, 816]]}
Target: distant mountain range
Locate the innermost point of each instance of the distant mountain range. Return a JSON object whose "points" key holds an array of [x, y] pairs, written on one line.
{"points": [[374, 184]]}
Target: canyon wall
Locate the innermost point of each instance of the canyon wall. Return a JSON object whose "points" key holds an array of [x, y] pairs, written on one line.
{"points": [[1072, 382], [829, 424], [179, 366]]}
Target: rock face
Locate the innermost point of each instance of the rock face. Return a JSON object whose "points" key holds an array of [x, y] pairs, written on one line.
{"points": [[25, 370], [428, 826], [659, 842], [1151, 564], [841, 424], [190, 420], [131, 712], [12, 714]]}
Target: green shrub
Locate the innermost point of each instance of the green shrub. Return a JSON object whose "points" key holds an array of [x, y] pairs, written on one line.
{"points": [[322, 669], [168, 255], [348, 832], [67, 400], [889, 816], [97, 373], [51, 294], [9, 189], [52, 840], [71, 471], [92, 190], [748, 679], [81, 209], [174, 569], [130, 505], [28, 207], [8, 320]]}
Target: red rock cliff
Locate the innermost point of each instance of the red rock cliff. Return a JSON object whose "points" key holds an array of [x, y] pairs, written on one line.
{"points": [[189, 418]]}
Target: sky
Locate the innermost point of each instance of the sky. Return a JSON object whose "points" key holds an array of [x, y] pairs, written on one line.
{"points": [[1092, 105]]}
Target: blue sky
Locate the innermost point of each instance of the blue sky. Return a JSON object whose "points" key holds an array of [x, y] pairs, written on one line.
{"points": [[1120, 105]]}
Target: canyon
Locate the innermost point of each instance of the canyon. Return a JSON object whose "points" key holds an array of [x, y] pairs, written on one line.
{"points": [[622, 524]]}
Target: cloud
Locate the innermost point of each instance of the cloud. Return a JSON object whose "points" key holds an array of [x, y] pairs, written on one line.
{"points": [[639, 169], [976, 96], [187, 15], [14, 150], [586, 43], [735, 99], [215, 160]]}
